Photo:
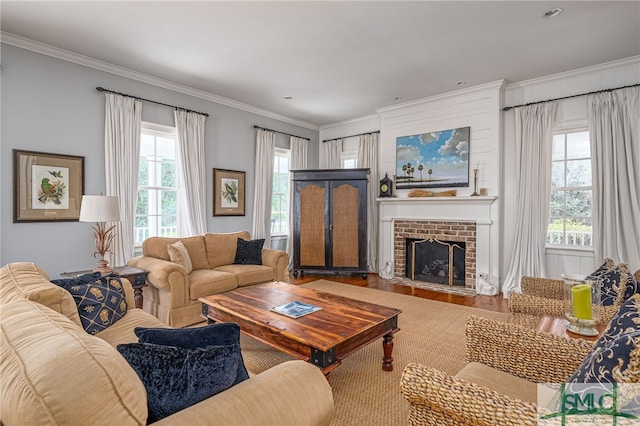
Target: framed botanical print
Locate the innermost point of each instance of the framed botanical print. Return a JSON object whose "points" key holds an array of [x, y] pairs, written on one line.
{"points": [[47, 187], [228, 192]]}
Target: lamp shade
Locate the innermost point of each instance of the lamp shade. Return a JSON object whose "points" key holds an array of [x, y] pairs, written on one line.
{"points": [[99, 208]]}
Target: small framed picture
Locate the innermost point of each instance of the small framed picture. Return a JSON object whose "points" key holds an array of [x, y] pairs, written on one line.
{"points": [[228, 192], [47, 187]]}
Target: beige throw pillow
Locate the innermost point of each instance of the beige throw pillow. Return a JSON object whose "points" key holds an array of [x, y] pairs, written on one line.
{"points": [[178, 254]]}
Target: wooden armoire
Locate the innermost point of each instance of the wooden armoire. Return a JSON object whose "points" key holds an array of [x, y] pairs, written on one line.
{"points": [[330, 220]]}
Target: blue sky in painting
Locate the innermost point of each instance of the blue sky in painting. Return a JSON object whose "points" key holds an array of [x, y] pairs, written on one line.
{"points": [[445, 152]]}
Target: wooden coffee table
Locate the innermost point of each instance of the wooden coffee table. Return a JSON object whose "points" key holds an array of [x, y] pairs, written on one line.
{"points": [[323, 338]]}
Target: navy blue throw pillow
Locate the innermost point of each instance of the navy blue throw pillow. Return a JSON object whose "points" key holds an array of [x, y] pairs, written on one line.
{"points": [[194, 338], [101, 300], [176, 378], [249, 252]]}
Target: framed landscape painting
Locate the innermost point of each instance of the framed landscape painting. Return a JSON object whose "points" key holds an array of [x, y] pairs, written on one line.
{"points": [[46, 187], [433, 160], [228, 192]]}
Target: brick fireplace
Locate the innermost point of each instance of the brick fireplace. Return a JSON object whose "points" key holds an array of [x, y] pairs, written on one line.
{"points": [[464, 232], [457, 219]]}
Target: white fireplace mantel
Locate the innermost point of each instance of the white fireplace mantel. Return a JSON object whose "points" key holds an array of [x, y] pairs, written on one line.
{"points": [[449, 209]]}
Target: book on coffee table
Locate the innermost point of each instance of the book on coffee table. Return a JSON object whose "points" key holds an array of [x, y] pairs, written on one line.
{"points": [[295, 309]]}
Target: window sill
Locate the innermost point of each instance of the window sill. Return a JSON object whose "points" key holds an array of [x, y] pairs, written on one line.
{"points": [[569, 250]]}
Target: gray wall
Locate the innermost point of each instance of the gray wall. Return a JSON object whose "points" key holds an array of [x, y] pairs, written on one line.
{"points": [[51, 105]]}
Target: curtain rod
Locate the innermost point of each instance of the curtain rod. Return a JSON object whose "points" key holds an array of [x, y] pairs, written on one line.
{"points": [[571, 96], [352, 136], [102, 89], [282, 133]]}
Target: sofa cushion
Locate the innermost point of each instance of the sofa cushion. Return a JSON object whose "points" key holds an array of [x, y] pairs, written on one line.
{"points": [[249, 274], [198, 337], [101, 300], [205, 282], [499, 381], [26, 280], [176, 378], [179, 254], [249, 252], [123, 330], [157, 247], [617, 352], [55, 373], [221, 248]]}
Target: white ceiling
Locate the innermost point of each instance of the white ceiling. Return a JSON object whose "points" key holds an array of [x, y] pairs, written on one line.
{"points": [[338, 60]]}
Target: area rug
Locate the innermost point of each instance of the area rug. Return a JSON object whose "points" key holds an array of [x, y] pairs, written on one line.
{"points": [[442, 288], [431, 333]]}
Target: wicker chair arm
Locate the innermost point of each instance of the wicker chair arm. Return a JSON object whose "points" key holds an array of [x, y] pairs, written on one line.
{"points": [[542, 287], [534, 305], [522, 352], [436, 398]]}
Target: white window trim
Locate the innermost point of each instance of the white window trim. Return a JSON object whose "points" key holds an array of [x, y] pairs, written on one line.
{"points": [[283, 152]]}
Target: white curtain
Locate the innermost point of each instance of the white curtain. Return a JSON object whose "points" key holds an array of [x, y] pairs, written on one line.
{"points": [[191, 170], [298, 162], [534, 136], [123, 118], [331, 157], [368, 158], [614, 131], [263, 187]]}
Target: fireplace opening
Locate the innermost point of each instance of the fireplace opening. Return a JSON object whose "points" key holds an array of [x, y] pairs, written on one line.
{"points": [[435, 261]]}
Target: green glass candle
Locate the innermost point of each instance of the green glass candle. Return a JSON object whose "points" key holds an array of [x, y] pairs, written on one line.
{"points": [[581, 297]]}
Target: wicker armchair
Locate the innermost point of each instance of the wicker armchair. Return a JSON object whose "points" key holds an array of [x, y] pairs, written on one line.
{"points": [[545, 296], [436, 398]]}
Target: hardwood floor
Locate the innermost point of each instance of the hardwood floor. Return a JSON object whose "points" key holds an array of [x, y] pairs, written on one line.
{"points": [[490, 303]]}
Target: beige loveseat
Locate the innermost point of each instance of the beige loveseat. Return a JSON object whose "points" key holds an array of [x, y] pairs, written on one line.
{"points": [[54, 373], [172, 294]]}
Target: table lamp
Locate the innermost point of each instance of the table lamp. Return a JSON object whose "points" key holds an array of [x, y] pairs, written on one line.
{"points": [[101, 209]]}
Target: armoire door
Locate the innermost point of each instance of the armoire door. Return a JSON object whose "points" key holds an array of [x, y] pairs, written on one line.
{"points": [[344, 225], [312, 224]]}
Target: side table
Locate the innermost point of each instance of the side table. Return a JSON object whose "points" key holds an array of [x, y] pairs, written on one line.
{"points": [[558, 326], [136, 276]]}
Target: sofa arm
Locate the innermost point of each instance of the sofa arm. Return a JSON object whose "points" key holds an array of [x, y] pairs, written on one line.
{"points": [[534, 305], [535, 356], [163, 274], [438, 398], [279, 261], [291, 393], [543, 287]]}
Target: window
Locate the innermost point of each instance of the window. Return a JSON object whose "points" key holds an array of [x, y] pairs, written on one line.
{"points": [[349, 159], [157, 205], [570, 208], [280, 196]]}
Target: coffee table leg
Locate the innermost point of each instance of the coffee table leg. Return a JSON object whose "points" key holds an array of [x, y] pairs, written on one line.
{"points": [[387, 348]]}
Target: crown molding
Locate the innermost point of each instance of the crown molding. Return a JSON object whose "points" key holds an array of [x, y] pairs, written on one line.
{"points": [[494, 85], [349, 121], [576, 73], [89, 62]]}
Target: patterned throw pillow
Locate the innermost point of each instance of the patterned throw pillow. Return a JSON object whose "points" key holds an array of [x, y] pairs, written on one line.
{"points": [[249, 252], [101, 300], [610, 277], [178, 254], [616, 350]]}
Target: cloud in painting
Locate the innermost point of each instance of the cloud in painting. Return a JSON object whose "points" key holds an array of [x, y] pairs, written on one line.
{"points": [[458, 145], [408, 154], [426, 138]]}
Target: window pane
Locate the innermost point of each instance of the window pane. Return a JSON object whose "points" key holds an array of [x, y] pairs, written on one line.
{"points": [[579, 173], [141, 230], [578, 145], [558, 147], [142, 204], [168, 174], [143, 172], [169, 203], [557, 174], [555, 232], [147, 149], [166, 148], [578, 232], [169, 226], [578, 204], [557, 204]]}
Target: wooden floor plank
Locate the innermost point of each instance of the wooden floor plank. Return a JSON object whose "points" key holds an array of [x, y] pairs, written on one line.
{"points": [[491, 303]]}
